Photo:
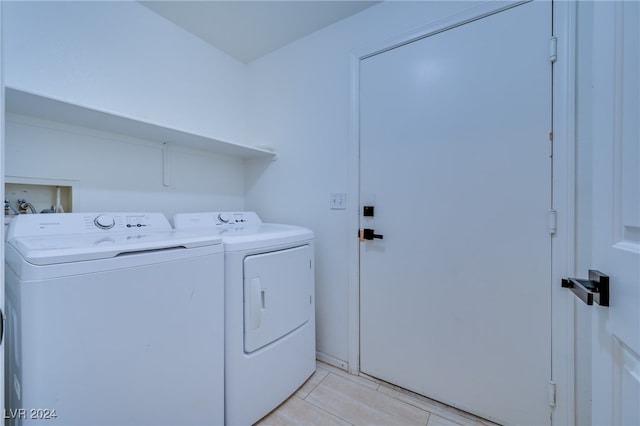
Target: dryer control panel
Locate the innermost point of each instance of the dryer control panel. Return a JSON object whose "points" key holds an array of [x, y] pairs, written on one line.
{"points": [[237, 218], [220, 220]]}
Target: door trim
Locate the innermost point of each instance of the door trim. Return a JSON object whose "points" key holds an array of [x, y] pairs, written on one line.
{"points": [[563, 168], [2, 232], [563, 259]]}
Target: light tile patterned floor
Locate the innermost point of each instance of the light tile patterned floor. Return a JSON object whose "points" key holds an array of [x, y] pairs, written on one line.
{"points": [[334, 397]]}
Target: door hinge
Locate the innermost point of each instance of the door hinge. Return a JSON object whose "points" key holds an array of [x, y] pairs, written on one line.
{"points": [[553, 49], [553, 222], [552, 393]]}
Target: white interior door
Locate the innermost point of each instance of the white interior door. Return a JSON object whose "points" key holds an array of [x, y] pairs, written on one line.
{"points": [[616, 212], [455, 158]]}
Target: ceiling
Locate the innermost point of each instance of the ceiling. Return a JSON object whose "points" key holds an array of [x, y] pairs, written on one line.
{"points": [[247, 29]]}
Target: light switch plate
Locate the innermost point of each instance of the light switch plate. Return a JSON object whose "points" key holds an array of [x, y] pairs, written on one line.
{"points": [[338, 201]]}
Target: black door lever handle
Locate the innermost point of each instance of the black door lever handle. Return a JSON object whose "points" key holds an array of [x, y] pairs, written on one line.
{"points": [[595, 289], [368, 234]]}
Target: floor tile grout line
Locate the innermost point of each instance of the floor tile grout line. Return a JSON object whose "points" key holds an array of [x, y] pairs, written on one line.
{"points": [[383, 395], [324, 409], [414, 402], [412, 398], [345, 374], [314, 388], [378, 383]]}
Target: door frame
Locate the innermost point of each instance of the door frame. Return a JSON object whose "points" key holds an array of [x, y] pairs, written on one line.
{"points": [[2, 179], [563, 189]]}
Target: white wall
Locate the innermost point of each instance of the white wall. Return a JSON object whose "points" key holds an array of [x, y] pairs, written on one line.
{"points": [[120, 57], [299, 104], [116, 173]]}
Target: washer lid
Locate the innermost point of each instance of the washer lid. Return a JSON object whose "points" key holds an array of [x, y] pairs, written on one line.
{"points": [[76, 248], [46, 239]]}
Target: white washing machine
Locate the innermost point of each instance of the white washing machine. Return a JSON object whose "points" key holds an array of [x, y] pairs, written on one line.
{"points": [[113, 319], [269, 309]]}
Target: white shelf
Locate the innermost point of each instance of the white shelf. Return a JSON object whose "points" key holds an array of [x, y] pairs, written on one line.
{"points": [[30, 104]]}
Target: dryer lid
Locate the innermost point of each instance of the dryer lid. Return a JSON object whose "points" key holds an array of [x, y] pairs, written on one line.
{"points": [[243, 230], [265, 236]]}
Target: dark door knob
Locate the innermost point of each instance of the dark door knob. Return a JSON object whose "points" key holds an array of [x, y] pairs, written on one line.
{"points": [[595, 289], [368, 234]]}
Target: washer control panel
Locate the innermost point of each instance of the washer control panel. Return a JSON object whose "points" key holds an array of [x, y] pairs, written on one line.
{"points": [[104, 221], [125, 221], [87, 223]]}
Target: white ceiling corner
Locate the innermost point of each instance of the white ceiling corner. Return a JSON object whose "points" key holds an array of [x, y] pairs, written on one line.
{"points": [[247, 29]]}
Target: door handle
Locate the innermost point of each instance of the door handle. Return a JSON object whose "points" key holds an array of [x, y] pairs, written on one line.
{"points": [[595, 289], [368, 234], [256, 304]]}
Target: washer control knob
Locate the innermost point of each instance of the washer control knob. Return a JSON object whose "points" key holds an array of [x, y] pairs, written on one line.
{"points": [[224, 217], [104, 221]]}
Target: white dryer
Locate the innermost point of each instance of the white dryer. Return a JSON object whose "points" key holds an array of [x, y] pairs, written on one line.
{"points": [[113, 319], [269, 309]]}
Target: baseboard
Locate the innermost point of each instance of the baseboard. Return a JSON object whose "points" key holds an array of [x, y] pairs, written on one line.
{"points": [[338, 363]]}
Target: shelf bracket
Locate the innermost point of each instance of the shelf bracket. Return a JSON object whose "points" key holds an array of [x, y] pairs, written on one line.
{"points": [[166, 175]]}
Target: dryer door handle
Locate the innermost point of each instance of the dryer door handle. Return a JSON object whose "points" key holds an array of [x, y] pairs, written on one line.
{"points": [[256, 303], [1, 326]]}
